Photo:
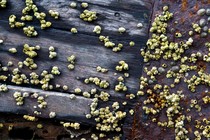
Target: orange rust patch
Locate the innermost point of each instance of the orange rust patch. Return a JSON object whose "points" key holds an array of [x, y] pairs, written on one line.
{"points": [[184, 5], [196, 6], [205, 2], [201, 65], [182, 20]]}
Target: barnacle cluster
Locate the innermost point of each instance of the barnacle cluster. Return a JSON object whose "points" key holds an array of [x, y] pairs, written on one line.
{"points": [[54, 14], [107, 118], [41, 16], [123, 66], [52, 52], [72, 125], [176, 66], [88, 15], [13, 23], [202, 26], [30, 31], [19, 98], [30, 51], [100, 69], [97, 81], [71, 59], [29, 118], [18, 77]]}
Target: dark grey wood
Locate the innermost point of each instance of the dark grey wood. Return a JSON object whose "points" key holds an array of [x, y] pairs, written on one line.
{"points": [[65, 108], [85, 45]]}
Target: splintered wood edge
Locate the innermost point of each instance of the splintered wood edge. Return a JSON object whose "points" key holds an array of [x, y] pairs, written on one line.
{"points": [[65, 108]]}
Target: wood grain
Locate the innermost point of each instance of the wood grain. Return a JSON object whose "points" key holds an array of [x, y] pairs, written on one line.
{"points": [[87, 48]]}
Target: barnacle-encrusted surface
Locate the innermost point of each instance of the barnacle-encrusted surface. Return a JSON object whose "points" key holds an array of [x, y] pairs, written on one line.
{"points": [[63, 80], [174, 88]]}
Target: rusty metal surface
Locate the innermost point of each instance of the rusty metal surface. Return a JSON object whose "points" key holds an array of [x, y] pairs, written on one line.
{"points": [[185, 14]]}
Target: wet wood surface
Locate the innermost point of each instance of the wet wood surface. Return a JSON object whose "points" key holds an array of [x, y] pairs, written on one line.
{"points": [[87, 48]]}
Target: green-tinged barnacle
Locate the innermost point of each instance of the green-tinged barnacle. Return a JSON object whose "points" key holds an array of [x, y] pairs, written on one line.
{"points": [[73, 5], [104, 96], [139, 25], [131, 111], [100, 69], [72, 96], [52, 114], [65, 87], [190, 33], [97, 29], [13, 23], [3, 88], [52, 53], [121, 30], [121, 87], [3, 78], [46, 78], [10, 64], [18, 98], [26, 18], [30, 51], [77, 90], [132, 43], [109, 44], [1, 125], [86, 94], [177, 34], [74, 30], [70, 66], [19, 78], [88, 16], [3, 3], [39, 126], [84, 5], [54, 14], [29, 118], [116, 49], [29, 62], [71, 59], [165, 8], [97, 81], [76, 126], [122, 66], [55, 70], [13, 50], [30, 31]]}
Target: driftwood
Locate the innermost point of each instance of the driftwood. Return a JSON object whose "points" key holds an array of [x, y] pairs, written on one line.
{"points": [[87, 48]]}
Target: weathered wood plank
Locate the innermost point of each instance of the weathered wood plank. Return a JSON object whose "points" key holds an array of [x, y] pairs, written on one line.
{"points": [[86, 46], [60, 103]]}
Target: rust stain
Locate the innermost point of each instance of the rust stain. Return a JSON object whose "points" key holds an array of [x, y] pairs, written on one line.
{"points": [[184, 5], [201, 65], [182, 20], [196, 6], [191, 14], [205, 1], [133, 126]]}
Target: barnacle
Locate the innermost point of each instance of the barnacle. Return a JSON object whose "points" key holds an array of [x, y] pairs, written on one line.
{"points": [[88, 16], [29, 118], [3, 3], [54, 14]]}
